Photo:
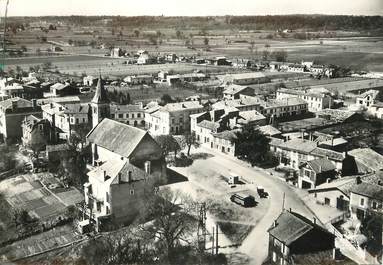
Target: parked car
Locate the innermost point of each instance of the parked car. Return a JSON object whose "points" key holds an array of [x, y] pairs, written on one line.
{"points": [[243, 200], [261, 192]]}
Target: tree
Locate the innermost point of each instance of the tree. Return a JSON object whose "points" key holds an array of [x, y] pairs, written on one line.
{"points": [[153, 40], [24, 48], [121, 247], [165, 99], [178, 34], [206, 41], [168, 144], [46, 66], [190, 139], [136, 33], [280, 56], [251, 145], [265, 54], [172, 222], [251, 48]]}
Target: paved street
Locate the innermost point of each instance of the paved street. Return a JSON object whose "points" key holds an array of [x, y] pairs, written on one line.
{"points": [[256, 244]]}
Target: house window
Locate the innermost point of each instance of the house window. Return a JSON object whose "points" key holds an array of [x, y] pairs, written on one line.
{"points": [[120, 116], [132, 115], [131, 192], [107, 197], [138, 115], [112, 116], [374, 205], [362, 202], [274, 256]]}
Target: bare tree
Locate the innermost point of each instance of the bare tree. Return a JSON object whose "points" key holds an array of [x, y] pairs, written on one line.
{"points": [[172, 224], [188, 140]]}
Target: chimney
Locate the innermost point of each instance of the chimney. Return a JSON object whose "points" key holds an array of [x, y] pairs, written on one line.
{"points": [[34, 103], [314, 220], [148, 167], [358, 180], [336, 254], [320, 169], [14, 105], [105, 176], [275, 224], [129, 176], [119, 178], [51, 105], [328, 180]]}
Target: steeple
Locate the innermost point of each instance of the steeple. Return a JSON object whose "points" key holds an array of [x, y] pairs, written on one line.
{"points": [[100, 96]]}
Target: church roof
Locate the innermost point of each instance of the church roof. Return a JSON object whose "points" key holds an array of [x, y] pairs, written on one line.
{"points": [[100, 96]]}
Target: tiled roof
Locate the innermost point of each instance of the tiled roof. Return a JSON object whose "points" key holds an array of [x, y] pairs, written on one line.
{"points": [[210, 125], [125, 108], [235, 103], [234, 89], [181, 106], [76, 108], [299, 145], [336, 114], [330, 154], [251, 115], [368, 157], [116, 137], [226, 135], [373, 191], [335, 142], [113, 168], [59, 86], [289, 227], [269, 130], [293, 101], [21, 103], [62, 100], [343, 184], [321, 165]]}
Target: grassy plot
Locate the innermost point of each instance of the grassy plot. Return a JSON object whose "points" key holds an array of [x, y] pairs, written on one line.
{"points": [[7, 226], [234, 231]]}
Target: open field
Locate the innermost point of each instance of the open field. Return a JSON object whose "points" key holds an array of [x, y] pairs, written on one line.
{"points": [[353, 49]]}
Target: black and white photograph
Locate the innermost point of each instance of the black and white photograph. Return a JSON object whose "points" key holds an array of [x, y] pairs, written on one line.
{"points": [[205, 132]]}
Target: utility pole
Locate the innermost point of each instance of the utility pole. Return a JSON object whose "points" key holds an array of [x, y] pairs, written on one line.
{"points": [[216, 240], [283, 201], [212, 242], [202, 227]]}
